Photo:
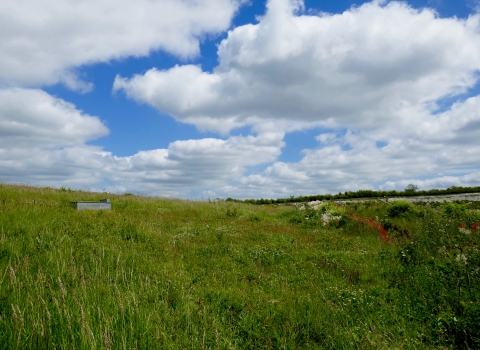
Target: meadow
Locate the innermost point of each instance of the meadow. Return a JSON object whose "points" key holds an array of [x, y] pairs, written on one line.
{"points": [[158, 273]]}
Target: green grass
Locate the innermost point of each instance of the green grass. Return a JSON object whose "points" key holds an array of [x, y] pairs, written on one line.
{"points": [[162, 273]]}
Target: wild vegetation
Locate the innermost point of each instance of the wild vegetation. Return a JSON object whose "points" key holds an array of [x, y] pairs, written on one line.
{"points": [[165, 273]]}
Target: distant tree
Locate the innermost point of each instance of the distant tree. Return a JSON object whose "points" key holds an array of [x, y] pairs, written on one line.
{"points": [[411, 188]]}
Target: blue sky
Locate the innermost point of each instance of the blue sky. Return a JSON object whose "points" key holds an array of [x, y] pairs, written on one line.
{"points": [[240, 99]]}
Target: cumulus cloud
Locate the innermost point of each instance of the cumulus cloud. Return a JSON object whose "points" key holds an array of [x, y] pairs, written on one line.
{"points": [[44, 41], [364, 68], [42, 140], [31, 118]]}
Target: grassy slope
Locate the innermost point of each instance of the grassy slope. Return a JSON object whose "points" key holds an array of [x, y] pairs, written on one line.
{"points": [[160, 273]]}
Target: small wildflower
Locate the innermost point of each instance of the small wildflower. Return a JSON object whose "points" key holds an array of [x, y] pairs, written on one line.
{"points": [[462, 259], [327, 217], [475, 226], [384, 235]]}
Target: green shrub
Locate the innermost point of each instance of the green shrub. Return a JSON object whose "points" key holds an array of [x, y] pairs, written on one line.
{"points": [[399, 208], [296, 220], [455, 210], [409, 255], [253, 218], [231, 213]]}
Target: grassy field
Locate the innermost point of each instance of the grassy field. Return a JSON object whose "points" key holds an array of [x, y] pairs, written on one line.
{"points": [[160, 273]]}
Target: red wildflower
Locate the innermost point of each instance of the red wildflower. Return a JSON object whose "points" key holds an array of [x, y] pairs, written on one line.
{"points": [[460, 225], [475, 226], [384, 235], [372, 225]]}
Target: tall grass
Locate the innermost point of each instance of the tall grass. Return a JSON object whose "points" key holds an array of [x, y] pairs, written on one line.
{"points": [[161, 273]]}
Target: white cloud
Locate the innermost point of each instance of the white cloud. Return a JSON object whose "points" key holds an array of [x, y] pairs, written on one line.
{"points": [[31, 118], [326, 138], [42, 140], [361, 69], [44, 41]]}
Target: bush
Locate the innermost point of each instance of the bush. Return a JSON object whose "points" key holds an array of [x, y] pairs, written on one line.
{"points": [[455, 210], [399, 208]]}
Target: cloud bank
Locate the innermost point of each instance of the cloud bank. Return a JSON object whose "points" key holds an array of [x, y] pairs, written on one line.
{"points": [[44, 141], [374, 79]]}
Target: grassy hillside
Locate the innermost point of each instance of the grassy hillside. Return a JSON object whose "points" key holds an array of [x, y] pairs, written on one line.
{"points": [[160, 273]]}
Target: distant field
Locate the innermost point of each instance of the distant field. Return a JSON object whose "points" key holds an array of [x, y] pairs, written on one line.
{"points": [[428, 199], [163, 273]]}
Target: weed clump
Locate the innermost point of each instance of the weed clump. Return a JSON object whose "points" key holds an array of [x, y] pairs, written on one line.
{"points": [[231, 213], [400, 208], [455, 210]]}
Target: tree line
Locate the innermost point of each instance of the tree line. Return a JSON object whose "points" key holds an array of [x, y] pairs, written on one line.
{"points": [[410, 190]]}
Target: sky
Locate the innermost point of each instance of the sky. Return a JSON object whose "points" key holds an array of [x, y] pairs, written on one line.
{"points": [[212, 99]]}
